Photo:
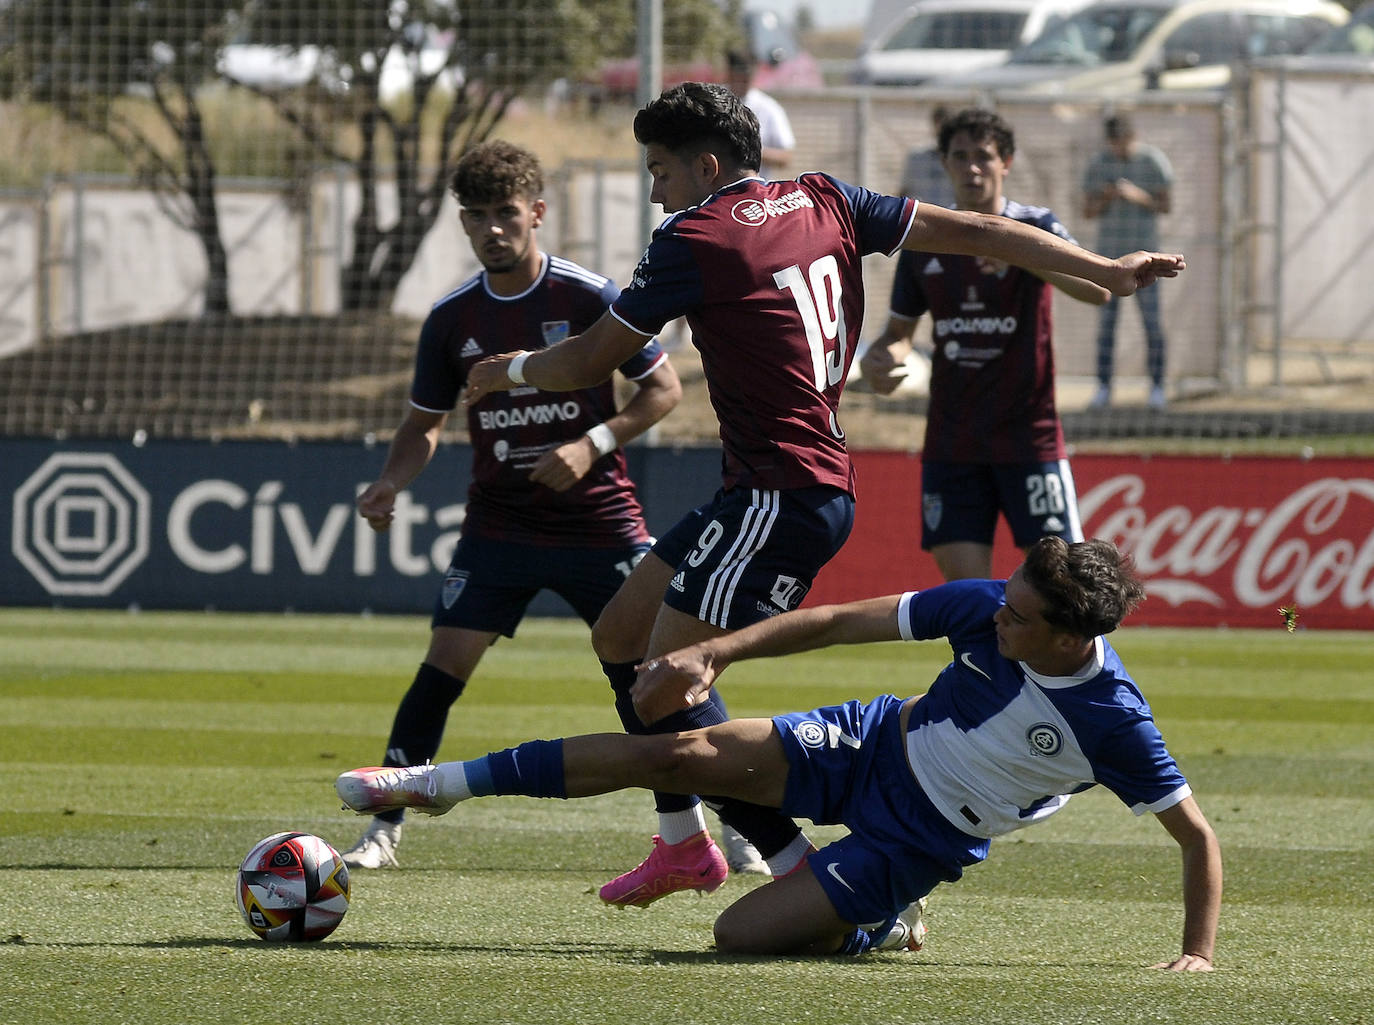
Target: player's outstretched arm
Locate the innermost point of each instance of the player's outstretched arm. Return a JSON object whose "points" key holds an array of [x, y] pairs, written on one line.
{"points": [[679, 679], [936, 229], [577, 362], [1201, 885], [1076, 288]]}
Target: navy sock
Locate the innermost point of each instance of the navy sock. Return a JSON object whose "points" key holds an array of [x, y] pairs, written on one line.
{"points": [[768, 829], [419, 724], [856, 942], [534, 769], [622, 676], [420, 719]]}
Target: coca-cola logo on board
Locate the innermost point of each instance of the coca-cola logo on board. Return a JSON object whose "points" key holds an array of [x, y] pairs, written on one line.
{"points": [[1315, 544]]}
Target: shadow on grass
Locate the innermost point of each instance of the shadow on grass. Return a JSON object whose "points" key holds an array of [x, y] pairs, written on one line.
{"points": [[611, 951]]}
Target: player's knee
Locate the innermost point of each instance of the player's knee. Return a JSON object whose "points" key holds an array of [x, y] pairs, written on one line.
{"points": [[616, 641], [735, 933]]}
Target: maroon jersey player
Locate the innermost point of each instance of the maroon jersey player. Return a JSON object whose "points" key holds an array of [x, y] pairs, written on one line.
{"points": [[768, 276], [993, 441]]}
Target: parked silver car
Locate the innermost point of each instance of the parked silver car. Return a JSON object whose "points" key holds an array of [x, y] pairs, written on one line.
{"points": [[944, 37], [1125, 46]]}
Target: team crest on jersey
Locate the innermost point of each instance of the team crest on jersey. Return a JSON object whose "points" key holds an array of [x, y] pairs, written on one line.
{"points": [[810, 734], [1045, 739], [454, 582], [554, 331], [932, 508]]}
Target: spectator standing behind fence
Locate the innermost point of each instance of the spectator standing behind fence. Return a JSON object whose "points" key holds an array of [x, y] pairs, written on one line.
{"points": [[775, 128], [923, 173], [550, 504], [993, 441], [1128, 184]]}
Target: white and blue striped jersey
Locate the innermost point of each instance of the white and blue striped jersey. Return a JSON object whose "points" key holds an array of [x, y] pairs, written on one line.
{"points": [[997, 746]]}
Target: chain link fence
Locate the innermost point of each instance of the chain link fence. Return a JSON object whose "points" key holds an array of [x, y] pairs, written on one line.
{"points": [[194, 298]]}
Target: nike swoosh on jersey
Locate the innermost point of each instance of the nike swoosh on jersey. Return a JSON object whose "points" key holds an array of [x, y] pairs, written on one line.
{"points": [[968, 661], [834, 869]]}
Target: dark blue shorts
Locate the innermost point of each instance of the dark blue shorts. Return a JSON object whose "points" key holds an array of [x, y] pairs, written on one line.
{"points": [[750, 554], [960, 502], [489, 584], [848, 766]]}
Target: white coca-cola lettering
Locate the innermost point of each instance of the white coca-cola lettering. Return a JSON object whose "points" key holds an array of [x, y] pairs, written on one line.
{"points": [[1293, 551], [1274, 567]]}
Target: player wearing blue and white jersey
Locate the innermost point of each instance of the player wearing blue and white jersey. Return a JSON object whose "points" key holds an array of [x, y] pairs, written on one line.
{"points": [[768, 275], [1033, 707], [550, 502], [993, 444], [997, 745]]}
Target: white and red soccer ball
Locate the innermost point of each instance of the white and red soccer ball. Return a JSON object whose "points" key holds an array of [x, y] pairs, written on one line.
{"points": [[292, 887]]}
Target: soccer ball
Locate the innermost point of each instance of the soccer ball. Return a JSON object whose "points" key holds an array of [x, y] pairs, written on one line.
{"points": [[292, 887]]}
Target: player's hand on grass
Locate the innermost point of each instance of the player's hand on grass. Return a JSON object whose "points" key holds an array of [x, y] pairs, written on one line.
{"points": [[1187, 963], [672, 682], [1141, 269], [377, 504], [562, 467], [490, 375]]}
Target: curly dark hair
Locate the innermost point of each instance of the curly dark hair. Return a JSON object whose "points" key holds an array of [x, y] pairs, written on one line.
{"points": [[980, 124], [695, 117], [1087, 587], [497, 170]]}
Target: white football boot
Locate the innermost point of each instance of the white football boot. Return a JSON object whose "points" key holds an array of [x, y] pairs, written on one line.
{"points": [[376, 848], [740, 854], [908, 932]]}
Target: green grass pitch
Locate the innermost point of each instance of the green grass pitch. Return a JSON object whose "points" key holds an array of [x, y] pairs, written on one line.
{"points": [[141, 756]]}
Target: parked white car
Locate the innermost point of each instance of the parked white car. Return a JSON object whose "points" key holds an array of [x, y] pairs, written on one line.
{"points": [[932, 38], [1126, 46]]}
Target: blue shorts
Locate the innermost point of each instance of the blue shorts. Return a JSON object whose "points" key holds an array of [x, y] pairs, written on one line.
{"points": [[749, 554], [489, 584], [960, 502], [848, 766]]}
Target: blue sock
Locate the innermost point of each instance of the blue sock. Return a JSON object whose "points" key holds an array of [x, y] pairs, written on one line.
{"points": [[856, 942], [534, 769]]}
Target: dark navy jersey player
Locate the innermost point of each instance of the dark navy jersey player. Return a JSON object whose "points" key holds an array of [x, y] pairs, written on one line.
{"points": [[768, 275], [993, 439], [550, 504]]}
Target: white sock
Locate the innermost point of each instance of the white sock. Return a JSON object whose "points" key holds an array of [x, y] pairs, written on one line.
{"points": [[790, 856], [676, 826], [453, 781]]}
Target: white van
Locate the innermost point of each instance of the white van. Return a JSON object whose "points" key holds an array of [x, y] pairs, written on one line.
{"points": [[945, 37]]}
